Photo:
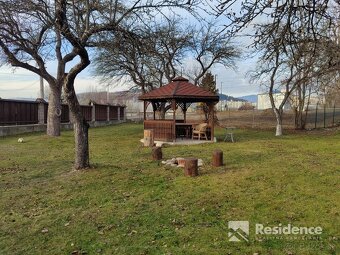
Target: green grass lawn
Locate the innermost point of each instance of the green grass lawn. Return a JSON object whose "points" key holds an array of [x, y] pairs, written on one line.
{"points": [[128, 204]]}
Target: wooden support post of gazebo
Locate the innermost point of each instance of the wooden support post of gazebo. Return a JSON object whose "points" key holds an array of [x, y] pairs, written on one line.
{"points": [[184, 109], [178, 93], [173, 107], [145, 104]]}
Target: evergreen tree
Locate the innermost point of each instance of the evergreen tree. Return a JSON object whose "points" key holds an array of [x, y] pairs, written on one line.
{"points": [[208, 83]]}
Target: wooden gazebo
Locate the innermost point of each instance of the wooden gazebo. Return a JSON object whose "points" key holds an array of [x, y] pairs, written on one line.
{"points": [[178, 93]]}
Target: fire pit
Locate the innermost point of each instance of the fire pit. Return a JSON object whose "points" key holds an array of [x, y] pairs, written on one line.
{"points": [[179, 162]]}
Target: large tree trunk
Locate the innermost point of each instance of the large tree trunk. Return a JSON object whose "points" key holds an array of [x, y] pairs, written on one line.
{"points": [[301, 113], [300, 119], [162, 110], [82, 158], [54, 111], [278, 116]]}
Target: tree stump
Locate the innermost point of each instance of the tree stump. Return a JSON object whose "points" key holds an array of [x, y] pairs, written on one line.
{"points": [[148, 138], [191, 167], [157, 153], [217, 158]]}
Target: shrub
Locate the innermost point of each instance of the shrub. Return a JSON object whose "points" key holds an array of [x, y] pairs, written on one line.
{"points": [[246, 106]]}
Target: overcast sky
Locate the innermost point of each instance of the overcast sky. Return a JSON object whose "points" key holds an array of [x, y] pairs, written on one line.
{"points": [[19, 83]]}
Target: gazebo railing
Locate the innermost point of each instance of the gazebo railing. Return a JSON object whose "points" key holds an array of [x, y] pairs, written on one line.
{"points": [[163, 129]]}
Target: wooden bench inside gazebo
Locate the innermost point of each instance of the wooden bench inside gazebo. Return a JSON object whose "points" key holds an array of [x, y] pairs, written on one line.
{"points": [[179, 93]]}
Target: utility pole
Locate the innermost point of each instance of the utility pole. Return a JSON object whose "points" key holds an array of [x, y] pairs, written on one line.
{"points": [[42, 88], [41, 92], [108, 94], [221, 95], [219, 92]]}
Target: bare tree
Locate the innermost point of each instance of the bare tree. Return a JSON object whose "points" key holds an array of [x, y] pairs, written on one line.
{"points": [[289, 68], [73, 27], [289, 35], [149, 54], [27, 38], [154, 54], [210, 45]]}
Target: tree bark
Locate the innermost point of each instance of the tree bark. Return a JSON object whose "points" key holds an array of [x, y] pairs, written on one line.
{"points": [[191, 167], [148, 138], [278, 116], [54, 111], [82, 159], [300, 114], [217, 158], [157, 153], [163, 109], [81, 127]]}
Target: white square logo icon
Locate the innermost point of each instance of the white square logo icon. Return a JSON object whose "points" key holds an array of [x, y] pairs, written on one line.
{"points": [[238, 231]]}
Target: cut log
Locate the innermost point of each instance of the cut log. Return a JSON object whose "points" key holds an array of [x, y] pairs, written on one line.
{"points": [[191, 167], [148, 138], [157, 153], [217, 158]]}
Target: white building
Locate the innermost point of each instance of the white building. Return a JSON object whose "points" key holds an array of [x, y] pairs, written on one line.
{"points": [[263, 101], [224, 105]]}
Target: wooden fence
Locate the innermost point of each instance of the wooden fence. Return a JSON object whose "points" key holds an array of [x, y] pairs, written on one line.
{"points": [[86, 110], [114, 113], [163, 129], [101, 112], [19, 112]]}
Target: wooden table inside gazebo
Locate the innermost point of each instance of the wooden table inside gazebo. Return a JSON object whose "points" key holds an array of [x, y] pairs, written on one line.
{"points": [[178, 93]]}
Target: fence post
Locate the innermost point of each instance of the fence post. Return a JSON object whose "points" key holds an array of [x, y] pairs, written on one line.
{"points": [[333, 121], [108, 112], [93, 118], [41, 110], [316, 114], [324, 115], [118, 112], [253, 124]]}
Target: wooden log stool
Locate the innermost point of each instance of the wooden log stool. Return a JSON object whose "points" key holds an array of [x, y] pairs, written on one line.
{"points": [[157, 153], [148, 138], [217, 158], [191, 167]]}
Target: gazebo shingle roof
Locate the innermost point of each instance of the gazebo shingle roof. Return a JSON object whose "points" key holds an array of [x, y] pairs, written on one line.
{"points": [[180, 88]]}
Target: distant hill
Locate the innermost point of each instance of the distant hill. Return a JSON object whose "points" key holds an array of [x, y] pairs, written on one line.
{"points": [[224, 97], [249, 98]]}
